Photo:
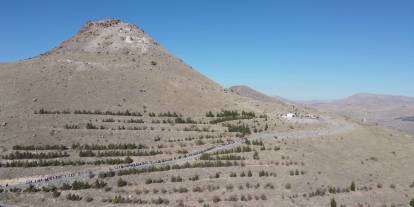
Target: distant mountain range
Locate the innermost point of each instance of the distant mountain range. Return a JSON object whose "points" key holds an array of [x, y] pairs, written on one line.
{"points": [[388, 110]]}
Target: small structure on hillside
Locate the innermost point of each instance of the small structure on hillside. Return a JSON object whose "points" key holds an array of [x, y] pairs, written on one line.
{"points": [[289, 115], [312, 116]]}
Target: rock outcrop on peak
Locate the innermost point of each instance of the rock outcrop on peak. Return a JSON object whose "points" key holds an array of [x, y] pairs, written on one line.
{"points": [[107, 36]]}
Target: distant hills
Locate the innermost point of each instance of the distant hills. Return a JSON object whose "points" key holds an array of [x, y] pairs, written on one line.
{"points": [[388, 110]]}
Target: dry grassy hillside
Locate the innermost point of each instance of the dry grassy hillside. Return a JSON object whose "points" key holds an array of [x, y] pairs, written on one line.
{"points": [[251, 93], [109, 65], [112, 66]]}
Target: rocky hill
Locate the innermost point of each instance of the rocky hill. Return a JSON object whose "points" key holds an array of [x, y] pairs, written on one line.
{"points": [[110, 65]]}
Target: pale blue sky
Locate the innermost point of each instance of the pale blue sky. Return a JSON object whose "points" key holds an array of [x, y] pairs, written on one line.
{"points": [[298, 49]]}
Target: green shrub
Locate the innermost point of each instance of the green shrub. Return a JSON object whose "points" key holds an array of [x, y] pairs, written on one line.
{"points": [[256, 155], [45, 147], [209, 114], [182, 151], [199, 142], [15, 190], [45, 163], [73, 197], [108, 120], [217, 175], [118, 199], [352, 186], [180, 190], [71, 126], [99, 184], [198, 189], [194, 178], [169, 114], [112, 113], [106, 174], [333, 202], [206, 156], [56, 194], [233, 198], [88, 199], [243, 129], [88, 153], [121, 183], [288, 186], [229, 187], [176, 179], [160, 201], [216, 199], [269, 185], [150, 180], [66, 186], [263, 173], [91, 126], [79, 185], [224, 116], [44, 111], [31, 189], [238, 149], [49, 188]]}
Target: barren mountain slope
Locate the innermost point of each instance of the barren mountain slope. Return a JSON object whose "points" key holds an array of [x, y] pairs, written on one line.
{"points": [[246, 91], [251, 93], [271, 103], [109, 65]]}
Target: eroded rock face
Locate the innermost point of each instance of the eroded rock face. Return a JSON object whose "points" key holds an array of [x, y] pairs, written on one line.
{"points": [[107, 36], [103, 23]]}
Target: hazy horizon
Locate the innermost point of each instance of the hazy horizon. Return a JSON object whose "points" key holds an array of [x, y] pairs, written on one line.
{"points": [[324, 100]]}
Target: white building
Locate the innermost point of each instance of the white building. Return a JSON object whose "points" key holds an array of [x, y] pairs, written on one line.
{"points": [[289, 115]]}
